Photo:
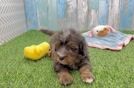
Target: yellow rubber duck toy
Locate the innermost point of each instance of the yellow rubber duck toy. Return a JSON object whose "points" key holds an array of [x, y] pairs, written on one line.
{"points": [[35, 52]]}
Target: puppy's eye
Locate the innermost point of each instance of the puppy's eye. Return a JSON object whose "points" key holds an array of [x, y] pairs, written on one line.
{"points": [[74, 49], [66, 41], [61, 43], [55, 49]]}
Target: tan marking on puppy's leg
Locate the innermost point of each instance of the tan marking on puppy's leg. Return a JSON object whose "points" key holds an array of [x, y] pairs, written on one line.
{"points": [[86, 74]]}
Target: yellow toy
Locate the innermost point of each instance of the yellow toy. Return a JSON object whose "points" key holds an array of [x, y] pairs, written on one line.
{"points": [[35, 52]]}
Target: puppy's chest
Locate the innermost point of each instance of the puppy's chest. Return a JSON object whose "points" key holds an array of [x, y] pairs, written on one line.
{"points": [[74, 66]]}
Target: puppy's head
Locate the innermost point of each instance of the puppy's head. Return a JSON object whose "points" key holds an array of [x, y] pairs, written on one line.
{"points": [[68, 46]]}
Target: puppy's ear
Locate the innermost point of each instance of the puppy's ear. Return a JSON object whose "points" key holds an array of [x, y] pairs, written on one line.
{"points": [[83, 48]]}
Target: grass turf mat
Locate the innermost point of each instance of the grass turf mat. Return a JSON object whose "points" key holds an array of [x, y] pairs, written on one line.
{"points": [[111, 69]]}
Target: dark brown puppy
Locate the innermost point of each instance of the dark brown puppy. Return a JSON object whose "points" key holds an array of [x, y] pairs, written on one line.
{"points": [[69, 51]]}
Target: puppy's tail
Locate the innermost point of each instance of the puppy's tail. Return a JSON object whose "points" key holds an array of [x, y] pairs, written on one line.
{"points": [[47, 31]]}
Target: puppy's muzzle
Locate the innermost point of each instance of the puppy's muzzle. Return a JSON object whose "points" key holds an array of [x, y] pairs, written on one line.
{"points": [[62, 53]]}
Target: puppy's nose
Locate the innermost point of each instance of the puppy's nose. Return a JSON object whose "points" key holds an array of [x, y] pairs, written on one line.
{"points": [[61, 58]]}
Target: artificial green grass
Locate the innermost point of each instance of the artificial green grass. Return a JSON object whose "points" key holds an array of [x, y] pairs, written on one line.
{"points": [[111, 69]]}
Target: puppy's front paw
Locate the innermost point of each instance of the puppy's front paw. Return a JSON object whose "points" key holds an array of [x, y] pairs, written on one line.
{"points": [[88, 78], [65, 79], [86, 74]]}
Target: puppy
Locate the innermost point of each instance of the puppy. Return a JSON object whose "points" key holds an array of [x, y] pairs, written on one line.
{"points": [[69, 52]]}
